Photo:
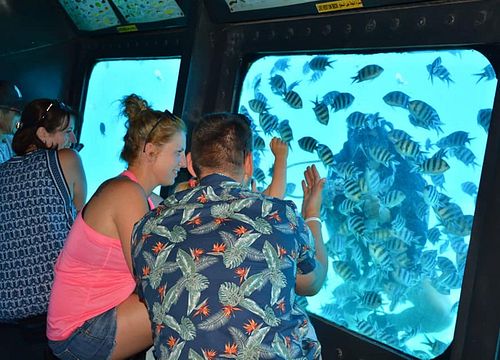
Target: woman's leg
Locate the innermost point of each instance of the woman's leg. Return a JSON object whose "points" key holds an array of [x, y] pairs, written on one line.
{"points": [[133, 328]]}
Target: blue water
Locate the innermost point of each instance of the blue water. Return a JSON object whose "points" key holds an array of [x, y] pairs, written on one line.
{"points": [[391, 277], [103, 126]]}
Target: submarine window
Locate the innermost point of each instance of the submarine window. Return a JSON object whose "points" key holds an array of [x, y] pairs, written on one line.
{"points": [[400, 138], [155, 80]]}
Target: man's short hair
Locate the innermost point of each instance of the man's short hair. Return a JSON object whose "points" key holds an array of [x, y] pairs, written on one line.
{"points": [[220, 141]]}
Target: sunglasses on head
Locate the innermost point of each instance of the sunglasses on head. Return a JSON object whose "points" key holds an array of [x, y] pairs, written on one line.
{"points": [[168, 116]]}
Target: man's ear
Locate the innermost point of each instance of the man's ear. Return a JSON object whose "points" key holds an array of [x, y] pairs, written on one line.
{"points": [[248, 165], [189, 163]]}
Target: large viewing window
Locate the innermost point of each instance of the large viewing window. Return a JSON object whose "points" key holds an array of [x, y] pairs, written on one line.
{"points": [[103, 125], [401, 139]]}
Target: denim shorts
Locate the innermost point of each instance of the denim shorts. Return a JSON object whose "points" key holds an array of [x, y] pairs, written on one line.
{"points": [[94, 340]]}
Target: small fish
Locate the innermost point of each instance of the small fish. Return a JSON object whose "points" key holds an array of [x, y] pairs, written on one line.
{"points": [[433, 166], [397, 98], [317, 63], [439, 71], [469, 188], [281, 64], [258, 105], [344, 270], [423, 115], [321, 112], [293, 99], [465, 155], [278, 85], [325, 154], [356, 120], [102, 129], [484, 118], [393, 198], [488, 73], [457, 138], [259, 175], [397, 135], [330, 97], [268, 122], [258, 143], [409, 149], [342, 101], [367, 73], [285, 132], [308, 143]]}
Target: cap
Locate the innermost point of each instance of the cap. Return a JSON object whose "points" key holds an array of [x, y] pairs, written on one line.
{"points": [[10, 96]]}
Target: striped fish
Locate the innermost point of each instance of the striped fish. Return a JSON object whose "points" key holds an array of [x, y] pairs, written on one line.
{"points": [[346, 170], [344, 270], [397, 98], [431, 196], [356, 120], [423, 115], [397, 135], [381, 155], [329, 97], [465, 155], [488, 73], [393, 198], [268, 122], [348, 206], [259, 175], [293, 99], [438, 180], [320, 63], [408, 149], [258, 143], [380, 256], [321, 112], [469, 188], [285, 132], [433, 166], [367, 73], [457, 138], [371, 299], [352, 190], [356, 225], [325, 155], [484, 118], [308, 143], [278, 85], [342, 101], [434, 235], [282, 64]]}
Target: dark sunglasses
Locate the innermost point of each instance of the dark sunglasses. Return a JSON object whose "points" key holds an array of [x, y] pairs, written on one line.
{"points": [[168, 116]]}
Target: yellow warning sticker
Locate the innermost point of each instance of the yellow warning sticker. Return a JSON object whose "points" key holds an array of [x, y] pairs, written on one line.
{"points": [[339, 5], [126, 28]]}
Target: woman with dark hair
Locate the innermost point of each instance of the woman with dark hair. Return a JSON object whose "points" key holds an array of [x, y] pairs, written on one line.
{"points": [[41, 189], [93, 311]]}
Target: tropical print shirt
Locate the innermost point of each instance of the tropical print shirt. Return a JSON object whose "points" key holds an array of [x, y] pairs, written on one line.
{"points": [[216, 267]]}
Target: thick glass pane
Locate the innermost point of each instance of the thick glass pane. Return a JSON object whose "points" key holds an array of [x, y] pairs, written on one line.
{"points": [[103, 126], [400, 138]]}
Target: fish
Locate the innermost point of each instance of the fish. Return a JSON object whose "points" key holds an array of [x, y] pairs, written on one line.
{"points": [[308, 143], [397, 98], [259, 175], [356, 120], [433, 166], [368, 72], [278, 85], [102, 129], [469, 188], [285, 132], [409, 149], [439, 71], [258, 143], [268, 122], [465, 155], [321, 112], [484, 118], [330, 97], [317, 63], [488, 73], [325, 154], [342, 101], [258, 105], [293, 99], [457, 138], [423, 115], [397, 135], [282, 64]]}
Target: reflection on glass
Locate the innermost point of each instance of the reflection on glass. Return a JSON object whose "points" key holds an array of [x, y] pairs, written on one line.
{"points": [[89, 15], [400, 138], [140, 11], [103, 127]]}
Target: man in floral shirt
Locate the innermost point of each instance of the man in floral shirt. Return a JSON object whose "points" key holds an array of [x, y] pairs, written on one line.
{"points": [[219, 266]]}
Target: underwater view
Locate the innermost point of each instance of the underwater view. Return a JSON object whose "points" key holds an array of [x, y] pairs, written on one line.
{"points": [[400, 138], [103, 125]]}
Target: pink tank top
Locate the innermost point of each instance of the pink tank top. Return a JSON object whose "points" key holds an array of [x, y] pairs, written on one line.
{"points": [[91, 277]]}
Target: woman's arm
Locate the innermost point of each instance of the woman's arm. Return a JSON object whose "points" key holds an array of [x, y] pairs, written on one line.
{"points": [[74, 174]]}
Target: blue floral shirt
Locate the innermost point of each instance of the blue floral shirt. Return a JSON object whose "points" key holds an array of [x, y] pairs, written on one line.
{"points": [[216, 267]]}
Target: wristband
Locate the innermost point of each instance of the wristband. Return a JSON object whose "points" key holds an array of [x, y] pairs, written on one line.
{"points": [[313, 218]]}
